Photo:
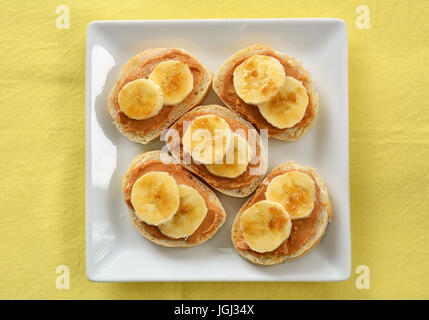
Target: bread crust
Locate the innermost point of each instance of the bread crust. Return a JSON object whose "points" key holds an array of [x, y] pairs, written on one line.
{"points": [[158, 155], [134, 63], [325, 216], [222, 111], [288, 134]]}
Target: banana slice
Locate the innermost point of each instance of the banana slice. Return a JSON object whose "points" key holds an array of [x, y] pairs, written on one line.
{"points": [[140, 99], [265, 225], [207, 139], [175, 79], [295, 190], [191, 213], [155, 197], [258, 78], [235, 161], [288, 106]]}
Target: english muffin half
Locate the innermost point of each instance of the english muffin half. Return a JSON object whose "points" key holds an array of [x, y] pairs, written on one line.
{"points": [[167, 204], [270, 89], [238, 167], [285, 218], [154, 89]]}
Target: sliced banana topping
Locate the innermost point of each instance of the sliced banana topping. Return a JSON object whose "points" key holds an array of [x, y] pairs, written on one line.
{"points": [[175, 79], [295, 190], [258, 78], [207, 139], [288, 106], [140, 99], [265, 226], [235, 161], [191, 213], [155, 197]]}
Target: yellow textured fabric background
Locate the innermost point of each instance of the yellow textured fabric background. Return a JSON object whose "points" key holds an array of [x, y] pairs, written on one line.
{"points": [[42, 152]]}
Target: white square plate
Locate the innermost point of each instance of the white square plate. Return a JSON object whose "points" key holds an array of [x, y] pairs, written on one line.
{"points": [[115, 251]]}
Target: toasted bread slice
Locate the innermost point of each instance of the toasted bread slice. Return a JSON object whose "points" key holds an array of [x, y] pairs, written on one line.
{"points": [[325, 216], [226, 114], [194, 98], [143, 228], [298, 72]]}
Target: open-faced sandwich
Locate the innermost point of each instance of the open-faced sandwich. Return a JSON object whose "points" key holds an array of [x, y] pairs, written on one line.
{"points": [[220, 147], [286, 217], [270, 89], [154, 89], [168, 205]]}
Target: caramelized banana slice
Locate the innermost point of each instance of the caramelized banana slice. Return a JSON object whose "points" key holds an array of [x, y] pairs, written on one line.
{"points": [[140, 99], [155, 197], [235, 164], [258, 78], [175, 79], [191, 213], [296, 191], [265, 225], [288, 106], [207, 139]]}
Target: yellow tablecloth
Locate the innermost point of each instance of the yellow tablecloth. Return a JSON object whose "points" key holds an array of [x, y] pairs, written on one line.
{"points": [[42, 152]]}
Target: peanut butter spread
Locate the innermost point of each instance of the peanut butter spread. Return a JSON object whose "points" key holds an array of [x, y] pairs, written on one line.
{"points": [[213, 217], [251, 112], [244, 180], [302, 229], [143, 72]]}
